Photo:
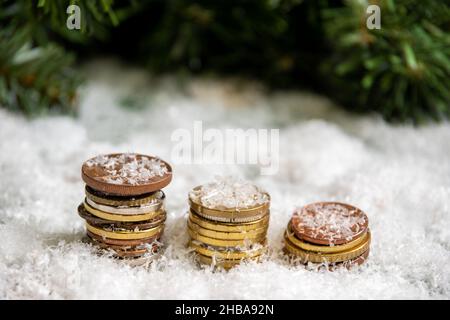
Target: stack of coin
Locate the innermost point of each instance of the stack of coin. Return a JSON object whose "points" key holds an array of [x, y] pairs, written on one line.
{"points": [[328, 233], [124, 206], [228, 222]]}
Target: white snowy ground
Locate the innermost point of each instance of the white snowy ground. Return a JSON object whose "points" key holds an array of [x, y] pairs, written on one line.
{"points": [[398, 174]]}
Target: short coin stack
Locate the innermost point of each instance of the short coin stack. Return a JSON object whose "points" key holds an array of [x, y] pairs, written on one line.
{"points": [[124, 206], [228, 222], [328, 233]]}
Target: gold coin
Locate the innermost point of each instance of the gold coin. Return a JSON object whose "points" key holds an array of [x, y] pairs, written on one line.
{"points": [[308, 256], [290, 235], [117, 201], [227, 235], [235, 219], [224, 243], [124, 235], [122, 217], [124, 210], [223, 263], [229, 227], [227, 254], [230, 214], [236, 216]]}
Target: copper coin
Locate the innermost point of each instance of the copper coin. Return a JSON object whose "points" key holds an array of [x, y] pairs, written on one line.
{"points": [[99, 222], [124, 242], [329, 223], [126, 174], [118, 198], [111, 200]]}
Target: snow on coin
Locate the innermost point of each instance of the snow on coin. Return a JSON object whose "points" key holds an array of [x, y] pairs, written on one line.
{"points": [[329, 223], [126, 173], [229, 193]]}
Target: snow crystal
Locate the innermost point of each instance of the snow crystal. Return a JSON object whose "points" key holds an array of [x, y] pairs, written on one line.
{"points": [[399, 175], [127, 168], [229, 192], [330, 221]]}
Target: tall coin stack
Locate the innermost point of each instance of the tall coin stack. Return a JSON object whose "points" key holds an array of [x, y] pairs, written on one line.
{"points": [[124, 206], [228, 222], [328, 234]]}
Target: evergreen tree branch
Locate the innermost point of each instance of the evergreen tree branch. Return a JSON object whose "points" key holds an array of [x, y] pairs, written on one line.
{"points": [[35, 79], [402, 70]]}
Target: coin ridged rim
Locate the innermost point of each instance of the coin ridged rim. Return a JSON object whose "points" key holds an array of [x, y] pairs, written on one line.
{"points": [[125, 242], [230, 214], [308, 256], [126, 189], [227, 254], [229, 227], [157, 195], [207, 214], [124, 211], [124, 235], [226, 235], [290, 234], [124, 248], [130, 228], [147, 224], [348, 264], [223, 243], [122, 218], [353, 262]]}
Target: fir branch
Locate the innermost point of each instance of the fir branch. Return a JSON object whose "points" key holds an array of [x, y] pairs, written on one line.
{"points": [[36, 73], [402, 70], [35, 80]]}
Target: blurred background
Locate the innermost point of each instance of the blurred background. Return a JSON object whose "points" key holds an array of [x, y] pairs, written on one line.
{"points": [[401, 71], [357, 110]]}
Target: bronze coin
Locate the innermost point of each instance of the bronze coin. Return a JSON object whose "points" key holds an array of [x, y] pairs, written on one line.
{"points": [[329, 223], [241, 213], [99, 222], [126, 174], [124, 242]]}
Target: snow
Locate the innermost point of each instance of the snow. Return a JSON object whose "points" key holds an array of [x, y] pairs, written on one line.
{"points": [[330, 221], [127, 168], [229, 192], [398, 175]]}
